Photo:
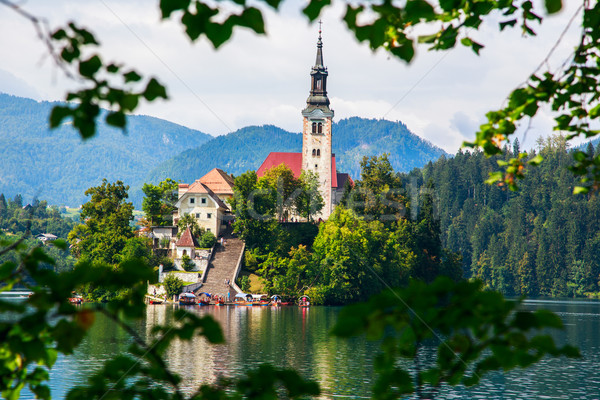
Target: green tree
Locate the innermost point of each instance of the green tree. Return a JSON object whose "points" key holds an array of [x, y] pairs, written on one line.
{"points": [[159, 201], [172, 285], [282, 189], [137, 248], [309, 201], [379, 193], [188, 221], [106, 228]]}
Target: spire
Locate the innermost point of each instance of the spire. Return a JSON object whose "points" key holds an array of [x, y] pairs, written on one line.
{"points": [[318, 80], [319, 60]]}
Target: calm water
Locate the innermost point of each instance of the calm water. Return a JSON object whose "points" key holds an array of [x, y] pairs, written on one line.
{"points": [[298, 338]]}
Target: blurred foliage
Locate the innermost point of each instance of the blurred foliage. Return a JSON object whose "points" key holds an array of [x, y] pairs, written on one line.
{"points": [[477, 331]]}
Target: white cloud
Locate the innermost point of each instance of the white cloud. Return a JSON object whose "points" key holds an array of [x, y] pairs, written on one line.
{"points": [[264, 80]]}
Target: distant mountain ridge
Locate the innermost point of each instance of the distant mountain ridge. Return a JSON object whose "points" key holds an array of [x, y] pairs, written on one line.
{"points": [[353, 138], [57, 166]]}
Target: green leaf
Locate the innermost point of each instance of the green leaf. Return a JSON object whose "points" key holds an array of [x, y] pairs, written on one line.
{"points": [[595, 112], [132, 76], [112, 68], [537, 160], [154, 90], [116, 119], [419, 9], [253, 19], [168, 6], [496, 176], [314, 7], [510, 23], [580, 190], [89, 67], [58, 114], [404, 51], [553, 6]]}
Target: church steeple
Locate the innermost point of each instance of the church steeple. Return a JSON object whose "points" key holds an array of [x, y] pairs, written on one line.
{"points": [[318, 81]]}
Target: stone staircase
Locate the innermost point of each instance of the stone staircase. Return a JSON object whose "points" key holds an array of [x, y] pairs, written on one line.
{"points": [[223, 266]]}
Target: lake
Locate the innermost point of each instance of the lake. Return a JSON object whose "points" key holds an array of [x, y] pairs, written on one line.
{"points": [[298, 338]]}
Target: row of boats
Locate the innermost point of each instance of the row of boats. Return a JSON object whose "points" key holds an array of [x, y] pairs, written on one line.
{"points": [[240, 299]]}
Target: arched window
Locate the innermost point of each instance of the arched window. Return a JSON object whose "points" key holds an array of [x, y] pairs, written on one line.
{"points": [[314, 152], [314, 127], [320, 127], [318, 152]]}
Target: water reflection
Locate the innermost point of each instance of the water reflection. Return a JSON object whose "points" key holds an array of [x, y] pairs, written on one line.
{"points": [[297, 338]]}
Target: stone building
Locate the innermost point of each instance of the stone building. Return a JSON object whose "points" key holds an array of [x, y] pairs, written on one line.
{"points": [[317, 139]]}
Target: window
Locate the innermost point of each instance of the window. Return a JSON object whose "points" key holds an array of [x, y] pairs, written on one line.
{"points": [[208, 216], [192, 200], [207, 229], [318, 152], [204, 200], [314, 152], [320, 127], [314, 127], [318, 84], [316, 166], [197, 215]]}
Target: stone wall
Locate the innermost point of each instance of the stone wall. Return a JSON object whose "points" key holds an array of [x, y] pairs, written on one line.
{"points": [[201, 260], [192, 277]]}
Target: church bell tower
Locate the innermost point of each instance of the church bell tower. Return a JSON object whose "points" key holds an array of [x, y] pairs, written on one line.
{"points": [[316, 131]]}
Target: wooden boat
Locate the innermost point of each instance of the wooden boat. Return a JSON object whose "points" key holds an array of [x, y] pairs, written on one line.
{"points": [[243, 299], [204, 299], [304, 301], [156, 301], [187, 299], [277, 301], [76, 299], [260, 300]]}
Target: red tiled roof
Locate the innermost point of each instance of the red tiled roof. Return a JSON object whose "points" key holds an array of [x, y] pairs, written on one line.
{"points": [[293, 161], [218, 181], [201, 188], [197, 187], [275, 159], [187, 240]]}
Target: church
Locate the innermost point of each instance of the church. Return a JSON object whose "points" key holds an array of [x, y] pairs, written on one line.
{"points": [[317, 138]]}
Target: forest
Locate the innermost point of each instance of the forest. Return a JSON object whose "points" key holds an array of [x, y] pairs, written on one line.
{"points": [[27, 221], [540, 240]]}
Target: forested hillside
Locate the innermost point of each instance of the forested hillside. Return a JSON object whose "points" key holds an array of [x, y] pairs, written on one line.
{"points": [[540, 240], [57, 166], [353, 138]]}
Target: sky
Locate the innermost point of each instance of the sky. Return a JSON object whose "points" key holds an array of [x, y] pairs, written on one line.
{"points": [[256, 80]]}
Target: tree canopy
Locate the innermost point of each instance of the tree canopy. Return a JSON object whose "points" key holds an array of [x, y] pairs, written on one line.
{"points": [[106, 227]]}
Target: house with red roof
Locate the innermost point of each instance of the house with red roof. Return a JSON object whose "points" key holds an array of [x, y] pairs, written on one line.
{"points": [[201, 201], [316, 155]]}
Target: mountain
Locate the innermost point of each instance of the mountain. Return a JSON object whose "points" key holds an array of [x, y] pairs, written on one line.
{"points": [[353, 138], [57, 166]]}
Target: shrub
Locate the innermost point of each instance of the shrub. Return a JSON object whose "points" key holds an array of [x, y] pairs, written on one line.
{"points": [[172, 285], [187, 263], [244, 283], [207, 240]]}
